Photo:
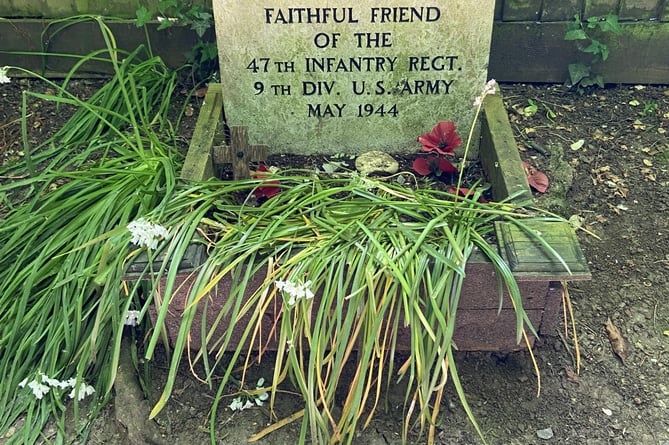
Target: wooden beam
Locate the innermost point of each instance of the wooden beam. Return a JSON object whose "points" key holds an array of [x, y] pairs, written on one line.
{"points": [[198, 165]]}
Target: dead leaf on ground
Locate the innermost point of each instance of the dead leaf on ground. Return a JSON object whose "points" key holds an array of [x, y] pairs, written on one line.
{"points": [[572, 377], [620, 345]]}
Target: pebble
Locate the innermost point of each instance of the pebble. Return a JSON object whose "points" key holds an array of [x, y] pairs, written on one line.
{"points": [[376, 161], [545, 434]]}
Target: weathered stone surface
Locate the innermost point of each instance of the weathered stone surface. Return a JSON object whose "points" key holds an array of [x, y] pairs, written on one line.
{"points": [[376, 161], [350, 77]]}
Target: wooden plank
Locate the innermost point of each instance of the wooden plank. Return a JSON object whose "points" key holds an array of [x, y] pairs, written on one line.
{"points": [[198, 165], [499, 153], [600, 7], [560, 10], [521, 10], [25, 35], [528, 258], [552, 320], [478, 327], [538, 53], [640, 9]]}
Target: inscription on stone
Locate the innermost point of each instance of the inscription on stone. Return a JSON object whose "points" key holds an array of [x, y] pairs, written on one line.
{"points": [[352, 76]]}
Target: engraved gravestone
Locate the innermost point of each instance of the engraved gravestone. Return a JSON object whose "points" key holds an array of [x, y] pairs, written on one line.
{"points": [[312, 77]]}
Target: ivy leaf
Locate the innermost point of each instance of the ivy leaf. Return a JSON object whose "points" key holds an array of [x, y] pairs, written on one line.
{"points": [[200, 27], [578, 72], [610, 24], [575, 34], [143, 16]]}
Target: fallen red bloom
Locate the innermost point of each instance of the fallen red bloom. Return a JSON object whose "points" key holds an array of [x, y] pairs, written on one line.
{"points": [[265, 191], [443, 139], [433, 164], [537, 180]]}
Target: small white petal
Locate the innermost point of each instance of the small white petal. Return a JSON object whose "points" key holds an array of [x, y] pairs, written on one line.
{"points": [[3, 75], [236, 404]]}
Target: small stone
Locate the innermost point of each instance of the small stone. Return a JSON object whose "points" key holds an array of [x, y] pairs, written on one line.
{"points": [[607, 411], [545, 434], [376, 162]]}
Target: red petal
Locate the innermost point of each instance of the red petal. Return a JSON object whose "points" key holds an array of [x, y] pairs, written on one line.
{"points": [[444, 130], [429, 141], [421, 166], [443, 139], [537, 179], [446, 167], [265, 191], [464, 191]]}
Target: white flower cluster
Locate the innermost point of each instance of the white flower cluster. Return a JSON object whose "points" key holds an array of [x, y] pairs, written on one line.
{"points": [[488, 89], [41, 386], [132, 318], [4, 78], [247, 400], [169, 19], [146, 234], [295, 291]]}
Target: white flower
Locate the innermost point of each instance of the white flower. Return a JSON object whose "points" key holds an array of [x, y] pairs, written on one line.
{"points": [[261, 397], [131, 318], [3, 75], [146, 234], [248, 404], [45, 383], [51, 382], [83, 391], [295, 291], [236, 404], [489, 88], [38, 389]]}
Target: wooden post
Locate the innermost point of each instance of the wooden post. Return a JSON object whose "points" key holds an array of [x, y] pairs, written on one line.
{"points": [[198, 165]]}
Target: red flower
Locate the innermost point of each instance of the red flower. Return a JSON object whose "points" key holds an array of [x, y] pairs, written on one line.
{"points": [[265, 191], [537, 180], [443, 139], [433, 164]]}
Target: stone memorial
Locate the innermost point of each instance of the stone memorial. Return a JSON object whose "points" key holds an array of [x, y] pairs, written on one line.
{"points": [[313, 77]]}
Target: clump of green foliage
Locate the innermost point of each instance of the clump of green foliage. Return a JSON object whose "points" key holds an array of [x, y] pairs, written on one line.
{"points": [[589, 36], [203, 56]]}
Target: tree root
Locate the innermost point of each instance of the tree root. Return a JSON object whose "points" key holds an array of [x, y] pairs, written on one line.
{"points": [[130, 407]]}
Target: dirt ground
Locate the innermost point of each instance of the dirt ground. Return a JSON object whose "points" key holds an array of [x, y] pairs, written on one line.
{"points": [[609, 153]]}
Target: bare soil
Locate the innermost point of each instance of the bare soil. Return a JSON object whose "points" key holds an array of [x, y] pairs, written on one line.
{"points": [[615, 182]]}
